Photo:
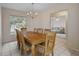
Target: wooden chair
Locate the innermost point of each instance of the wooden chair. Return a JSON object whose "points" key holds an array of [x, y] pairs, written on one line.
{"points": [[40, 30], [46, 31], [17, 37], [47, 47], [23, 29], [24, 48], [35, 30]]}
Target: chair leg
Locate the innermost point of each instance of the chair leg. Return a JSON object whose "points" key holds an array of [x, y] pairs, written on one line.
{"points": [[52, 54], [22, 52]]}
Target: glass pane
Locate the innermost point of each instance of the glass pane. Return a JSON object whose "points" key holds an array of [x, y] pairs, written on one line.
{"points": [[58, 24]]}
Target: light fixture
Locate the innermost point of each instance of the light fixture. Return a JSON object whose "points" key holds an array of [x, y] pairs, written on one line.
{"points": [[57, 19], [31, 13]]}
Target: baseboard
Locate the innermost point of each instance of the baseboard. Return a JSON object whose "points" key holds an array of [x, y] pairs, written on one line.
{"points": [[77, 50], [7, 42]]}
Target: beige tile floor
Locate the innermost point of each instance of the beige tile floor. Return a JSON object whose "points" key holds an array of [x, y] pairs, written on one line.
{"points": [[11, 49]]}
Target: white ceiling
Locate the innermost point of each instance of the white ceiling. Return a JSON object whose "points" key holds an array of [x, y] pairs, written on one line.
{"points": [[27, 6]]}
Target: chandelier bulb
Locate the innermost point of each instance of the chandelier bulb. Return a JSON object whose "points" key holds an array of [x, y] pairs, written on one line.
{"points": [[31, 13], [27, 14]]}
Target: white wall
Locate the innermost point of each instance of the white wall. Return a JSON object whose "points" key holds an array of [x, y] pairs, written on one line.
{"points": [[34, 23], [73, 28], [7, 37], [0, 33]]}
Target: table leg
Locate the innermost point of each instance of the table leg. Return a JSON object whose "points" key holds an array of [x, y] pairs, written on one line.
{"points": [[33, 50]]}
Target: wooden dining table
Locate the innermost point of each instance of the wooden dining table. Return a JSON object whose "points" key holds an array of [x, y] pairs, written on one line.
{"points": [[34, 39]]}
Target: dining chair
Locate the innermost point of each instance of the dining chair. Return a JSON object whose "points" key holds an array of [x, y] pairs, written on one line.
{"points": [[17, 37], [47, 47], [23, 29], [35, 30], [46, 31], [24, 48], [40, 30]]}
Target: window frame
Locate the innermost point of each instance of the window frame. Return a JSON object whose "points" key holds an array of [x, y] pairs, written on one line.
{"points": [[12, 33]]}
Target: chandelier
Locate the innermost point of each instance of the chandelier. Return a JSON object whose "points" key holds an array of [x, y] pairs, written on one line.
{"points": [[31, 13]]}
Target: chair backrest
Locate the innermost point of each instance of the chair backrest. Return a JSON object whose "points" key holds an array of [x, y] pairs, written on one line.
{"points": [[21, 39], [50, 42], [23, 29], [17, 37], [39, 30], [35, 30], [46, 31]]}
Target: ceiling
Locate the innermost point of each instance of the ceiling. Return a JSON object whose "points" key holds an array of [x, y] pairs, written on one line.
{"points": [[27, 6]]}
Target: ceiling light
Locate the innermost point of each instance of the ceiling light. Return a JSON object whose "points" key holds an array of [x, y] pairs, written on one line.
{"points": [[57, 19], [31, 13]]}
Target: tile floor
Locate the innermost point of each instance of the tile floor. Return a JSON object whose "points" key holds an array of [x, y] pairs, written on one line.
{"points": [[11, 49]]}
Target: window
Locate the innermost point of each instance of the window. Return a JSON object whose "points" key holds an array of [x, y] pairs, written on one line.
{"points": [[16, 22], [58, 24]]}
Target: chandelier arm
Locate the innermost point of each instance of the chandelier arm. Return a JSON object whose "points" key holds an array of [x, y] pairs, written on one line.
{"points": [[31, 13]]}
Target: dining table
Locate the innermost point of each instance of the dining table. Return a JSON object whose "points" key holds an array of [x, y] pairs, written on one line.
{"points": [[34, 38]]}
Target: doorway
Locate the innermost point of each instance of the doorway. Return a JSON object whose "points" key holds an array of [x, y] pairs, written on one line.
{"points": [[59, 23]]}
